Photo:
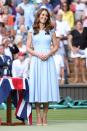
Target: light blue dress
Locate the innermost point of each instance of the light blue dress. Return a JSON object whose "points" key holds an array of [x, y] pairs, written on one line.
{"points": [[43, 82]]}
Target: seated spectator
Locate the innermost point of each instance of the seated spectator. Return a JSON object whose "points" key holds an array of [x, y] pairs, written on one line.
{"points": [[20, 66], [78, 46], [29, 11], [2, 2], [13, 48], [58, 5], [21, 29], [5, 63], [80, 7], [47, 5], [16, 2], [67, 14], [6, 43], [62, 30], [84, 16], [20, 22], [7, 17], [12, 5], [18, 41]]}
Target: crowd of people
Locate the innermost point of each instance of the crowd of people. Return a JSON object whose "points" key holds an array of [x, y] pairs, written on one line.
{"points": [[37, 38], [17, 17]]}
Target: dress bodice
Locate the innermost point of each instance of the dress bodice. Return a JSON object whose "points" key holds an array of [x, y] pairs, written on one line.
{"points": [[42, 40]]}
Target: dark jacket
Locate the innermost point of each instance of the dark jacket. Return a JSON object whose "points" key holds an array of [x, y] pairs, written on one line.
{"points": [[5, 66]]}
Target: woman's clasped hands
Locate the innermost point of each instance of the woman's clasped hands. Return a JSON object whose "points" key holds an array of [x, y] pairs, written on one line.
{"points": [[43, 56]]}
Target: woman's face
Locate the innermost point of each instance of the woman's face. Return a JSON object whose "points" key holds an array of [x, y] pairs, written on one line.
{"points": [[79, 25], [43, 17], [64, 6]]}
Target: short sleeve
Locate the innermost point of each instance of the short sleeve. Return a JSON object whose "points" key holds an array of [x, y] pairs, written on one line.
{"points": [[52, 31], [31, 30], [72, 32]]}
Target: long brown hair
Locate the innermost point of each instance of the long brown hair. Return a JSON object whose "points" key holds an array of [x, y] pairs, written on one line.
{"points": [[48, 25]]}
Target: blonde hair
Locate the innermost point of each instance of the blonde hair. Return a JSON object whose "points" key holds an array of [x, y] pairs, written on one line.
{"points": [[18, 39]]}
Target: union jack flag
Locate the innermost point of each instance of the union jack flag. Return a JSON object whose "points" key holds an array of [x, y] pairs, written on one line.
{"points": [[23, 110]]}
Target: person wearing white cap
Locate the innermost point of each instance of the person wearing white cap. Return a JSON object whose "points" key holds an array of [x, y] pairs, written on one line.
{"points": [[20, 66]]}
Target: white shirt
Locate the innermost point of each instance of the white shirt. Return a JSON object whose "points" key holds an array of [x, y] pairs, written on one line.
{"points": [[22, 49], [62, 28], [80, 7], [20, 69], [8, 52]]}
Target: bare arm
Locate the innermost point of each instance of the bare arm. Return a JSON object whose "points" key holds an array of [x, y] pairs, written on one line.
{"points": [[42, 56], [29, 45], [55, 43], [73, 48], [70, 42]]}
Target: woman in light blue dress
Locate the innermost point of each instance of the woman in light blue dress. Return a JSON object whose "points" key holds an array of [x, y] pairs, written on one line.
{"points": [[44, 87]]}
